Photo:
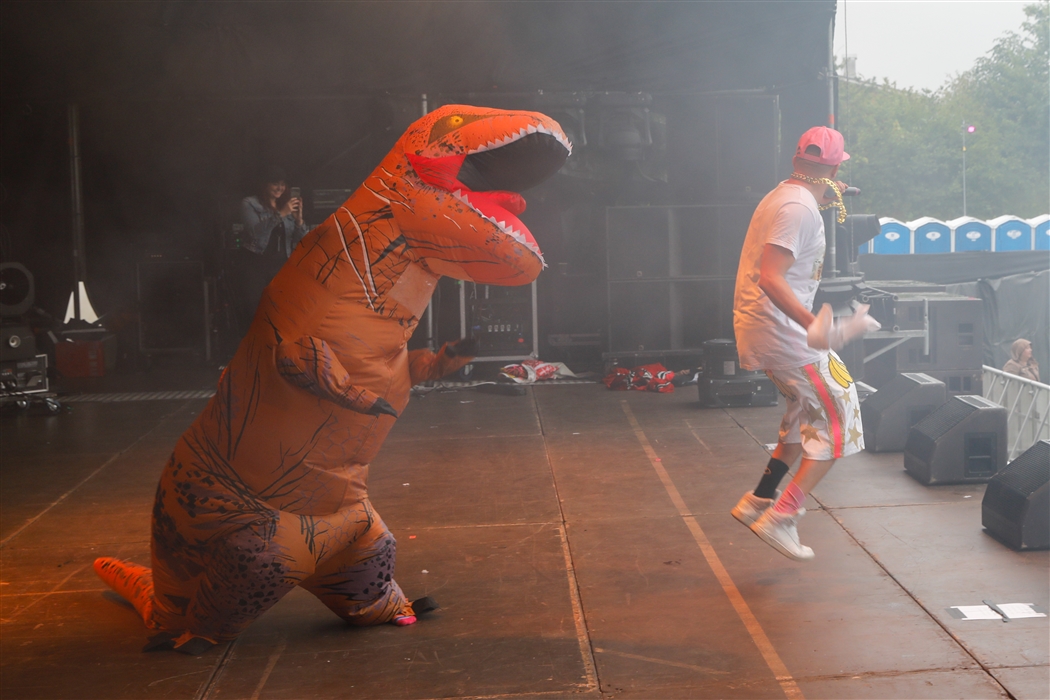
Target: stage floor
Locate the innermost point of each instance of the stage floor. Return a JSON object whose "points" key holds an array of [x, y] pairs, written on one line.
{"points": [[579, 543]]}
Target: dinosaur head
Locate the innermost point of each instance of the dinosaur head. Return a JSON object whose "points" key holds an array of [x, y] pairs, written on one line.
{"points": [[454, 184]]}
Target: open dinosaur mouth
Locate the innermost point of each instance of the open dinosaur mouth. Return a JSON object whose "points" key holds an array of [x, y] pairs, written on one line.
{"points": [[490, 178], [494, 175], [516, 163]]}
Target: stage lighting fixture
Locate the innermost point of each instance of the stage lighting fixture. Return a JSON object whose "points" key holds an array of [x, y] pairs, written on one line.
{"points": [[568, 110], [624, 124]]}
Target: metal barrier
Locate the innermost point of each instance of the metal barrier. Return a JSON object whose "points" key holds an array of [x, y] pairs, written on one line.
{"points": [[1028, 406]]}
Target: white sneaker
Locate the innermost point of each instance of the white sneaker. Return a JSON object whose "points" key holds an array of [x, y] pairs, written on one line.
{"points": [[780, 532], [750, 507]]}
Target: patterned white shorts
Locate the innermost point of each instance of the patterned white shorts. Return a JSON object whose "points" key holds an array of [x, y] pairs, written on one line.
{"points": [[823, 412]]}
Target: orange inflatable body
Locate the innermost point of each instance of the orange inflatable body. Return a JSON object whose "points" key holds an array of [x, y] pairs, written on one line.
{"points": [[268, 488]]}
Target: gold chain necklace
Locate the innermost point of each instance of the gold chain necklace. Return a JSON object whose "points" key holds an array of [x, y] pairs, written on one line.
{"points": [[837, 203]]}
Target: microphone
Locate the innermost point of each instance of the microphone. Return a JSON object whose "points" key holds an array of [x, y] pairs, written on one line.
{"points": [[848, 192]]}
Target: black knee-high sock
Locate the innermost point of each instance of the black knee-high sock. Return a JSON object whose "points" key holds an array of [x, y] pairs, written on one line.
{"points": [[767, 485]]}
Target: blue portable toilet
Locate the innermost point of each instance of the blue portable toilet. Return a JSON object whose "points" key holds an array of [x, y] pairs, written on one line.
{"points": [[969, 233], [1041, 231], [930, 235], [1010, 233], [894, 238]]}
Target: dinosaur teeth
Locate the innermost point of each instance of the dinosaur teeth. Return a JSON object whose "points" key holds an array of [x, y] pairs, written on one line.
{"points": [[521, 133], [502, 226]]}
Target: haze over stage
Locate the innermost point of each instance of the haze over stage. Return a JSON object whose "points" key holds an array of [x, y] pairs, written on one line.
{"points": [[562, 563]]}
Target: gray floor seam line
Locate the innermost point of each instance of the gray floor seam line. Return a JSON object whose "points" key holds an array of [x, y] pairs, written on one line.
{"points": [[466, 526], [591, 665], [891, 505], [922, 607], [4, 596], [45, 594], [882, 674], [115, 543], [92, 475], [744, 428], [402, 441], [204, 692], [536, 694]]}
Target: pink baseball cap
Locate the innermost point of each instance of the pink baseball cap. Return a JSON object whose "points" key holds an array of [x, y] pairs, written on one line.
{"points": [[827, 141]]}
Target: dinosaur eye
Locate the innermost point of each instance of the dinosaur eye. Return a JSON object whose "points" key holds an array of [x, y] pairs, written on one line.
{"points": [[448, 124]]}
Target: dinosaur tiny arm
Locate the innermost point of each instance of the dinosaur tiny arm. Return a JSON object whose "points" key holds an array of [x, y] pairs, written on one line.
{"points": [[424, 365], [310, 364]]}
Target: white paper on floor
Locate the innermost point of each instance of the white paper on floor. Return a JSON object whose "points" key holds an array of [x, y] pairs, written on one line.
{"points": [[1014, 611]]}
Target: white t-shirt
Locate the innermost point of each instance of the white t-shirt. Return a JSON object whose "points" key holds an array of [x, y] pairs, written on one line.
{"points": [[765, 337]]}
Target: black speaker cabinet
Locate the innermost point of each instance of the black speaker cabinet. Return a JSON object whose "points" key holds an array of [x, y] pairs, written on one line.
{"points": [[890, 412], [745, 391], [956, 332], [955, 343], [671, 273], [960, 381], [722, 362], [1016, 506], [963, 441], [17, 342]]}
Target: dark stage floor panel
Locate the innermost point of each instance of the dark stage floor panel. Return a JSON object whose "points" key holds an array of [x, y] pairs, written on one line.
{"points": [[578, 541]]}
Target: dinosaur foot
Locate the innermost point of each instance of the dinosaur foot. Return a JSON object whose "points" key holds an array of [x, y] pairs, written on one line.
{"points": [[185, 643], [419, 606], [132, 582]]}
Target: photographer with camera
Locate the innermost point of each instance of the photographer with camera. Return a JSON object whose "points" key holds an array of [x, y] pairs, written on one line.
{"points": [[273, 226]]}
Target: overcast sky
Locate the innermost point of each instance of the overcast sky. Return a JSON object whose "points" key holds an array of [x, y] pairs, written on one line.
{"points": [[921, 43]]}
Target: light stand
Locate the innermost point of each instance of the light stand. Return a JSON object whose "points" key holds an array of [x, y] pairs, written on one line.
{"points": [[966, 129]]}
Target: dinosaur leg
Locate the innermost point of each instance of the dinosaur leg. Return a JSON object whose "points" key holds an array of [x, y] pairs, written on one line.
{"points": [[220, 556], [356, 581]]}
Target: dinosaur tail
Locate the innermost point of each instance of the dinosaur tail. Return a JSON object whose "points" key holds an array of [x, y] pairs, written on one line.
{"points": [[133, 582]]}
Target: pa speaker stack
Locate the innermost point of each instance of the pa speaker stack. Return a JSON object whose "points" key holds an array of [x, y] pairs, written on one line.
{"points": [[890, 413], [963, 441], [22, 370], [723, 382], [1016, 506]]}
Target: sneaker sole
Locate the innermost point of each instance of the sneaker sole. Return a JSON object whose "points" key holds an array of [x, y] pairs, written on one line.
{"points": [[743, 517], [775, 544]]}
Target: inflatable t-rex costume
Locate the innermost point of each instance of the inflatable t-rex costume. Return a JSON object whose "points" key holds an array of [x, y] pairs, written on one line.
{"points": [[267, 489]]}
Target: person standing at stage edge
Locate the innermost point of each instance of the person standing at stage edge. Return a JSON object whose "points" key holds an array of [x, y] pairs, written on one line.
{"points": [[776, 331], [273, 225]]}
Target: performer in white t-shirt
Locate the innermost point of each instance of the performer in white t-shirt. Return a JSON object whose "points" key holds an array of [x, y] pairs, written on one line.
{"points": [[776, 331]]}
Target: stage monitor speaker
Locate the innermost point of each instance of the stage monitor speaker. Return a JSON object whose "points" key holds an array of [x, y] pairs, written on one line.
{"points": [[890, 412], [17, 342], [722, 362], [963, 441], [1016, 506], [743, 391], [16, 289]]}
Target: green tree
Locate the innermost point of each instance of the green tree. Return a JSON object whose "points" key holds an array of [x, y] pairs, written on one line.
{"points": [[907, 145]]}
